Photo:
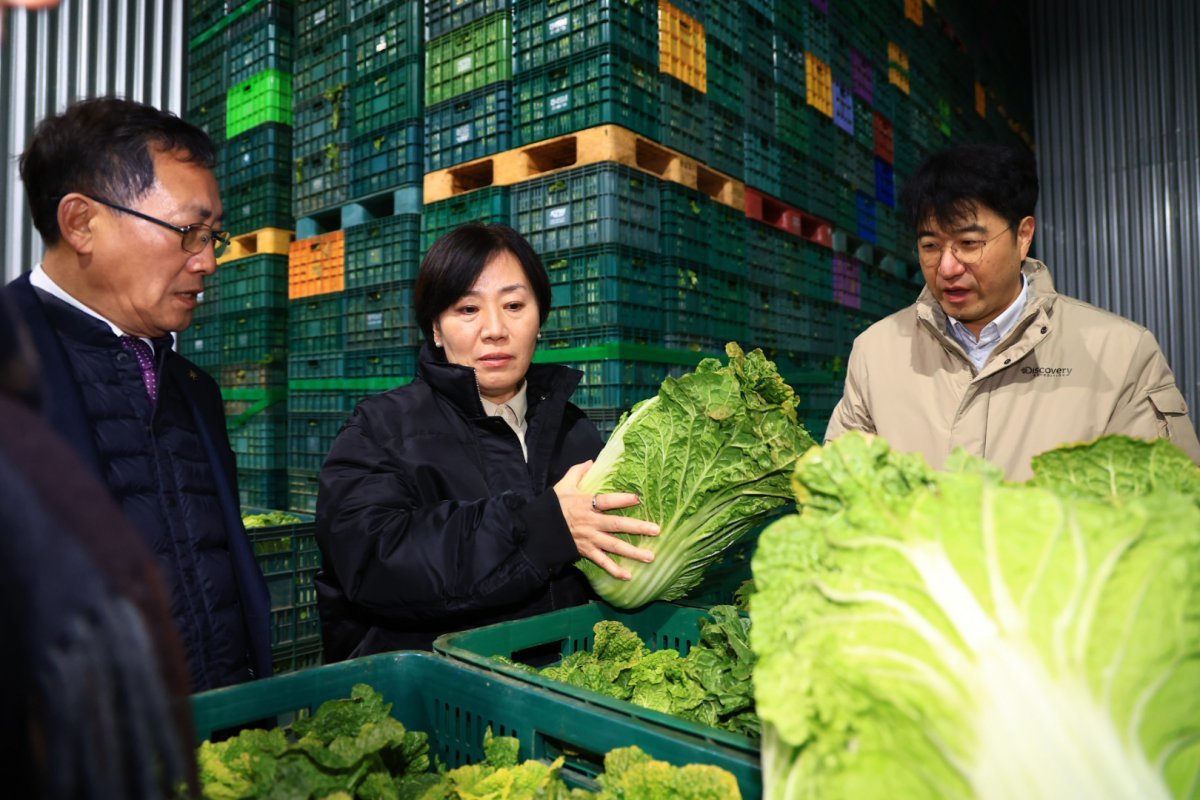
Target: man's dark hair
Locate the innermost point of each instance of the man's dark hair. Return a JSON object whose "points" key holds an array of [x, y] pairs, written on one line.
{"points": [[103, 147], [948, 185], [455, 261]]}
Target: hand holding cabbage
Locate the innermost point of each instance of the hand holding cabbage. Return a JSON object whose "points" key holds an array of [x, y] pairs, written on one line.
{"points": [[710, 457]]}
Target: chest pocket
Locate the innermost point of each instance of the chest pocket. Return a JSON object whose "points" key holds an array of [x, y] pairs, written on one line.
{"points": [[1171, 410]]}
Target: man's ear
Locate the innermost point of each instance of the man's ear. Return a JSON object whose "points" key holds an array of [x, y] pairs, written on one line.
{"points": [[76, 218], [1025, 235]]}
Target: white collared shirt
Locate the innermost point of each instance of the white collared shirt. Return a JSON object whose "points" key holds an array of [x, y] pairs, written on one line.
{"points": [[40, 280], [993, 333], [512, 412]]}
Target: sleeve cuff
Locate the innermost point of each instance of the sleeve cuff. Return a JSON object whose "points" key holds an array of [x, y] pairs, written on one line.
{"points": [[548, 543]]}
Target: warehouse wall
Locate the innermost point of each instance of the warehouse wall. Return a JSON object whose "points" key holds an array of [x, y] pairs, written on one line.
{"points": [[84, 48], [1117, 112]]}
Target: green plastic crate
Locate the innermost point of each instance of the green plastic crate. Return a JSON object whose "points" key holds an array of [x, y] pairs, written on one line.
{"points": [[602, 86], [386, 34], [545, 32], [265, 97], [443, 16], [388, 97], [383, 250], [254, 283], [546, 639], [610, 290], [470, 58], [490, 205], [455, 703]]}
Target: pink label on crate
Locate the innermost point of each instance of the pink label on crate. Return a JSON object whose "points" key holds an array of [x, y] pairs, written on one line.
{"points": [[847, 281]]}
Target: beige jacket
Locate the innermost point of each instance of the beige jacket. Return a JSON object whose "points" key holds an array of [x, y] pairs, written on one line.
{"points": [[1067, 372]]}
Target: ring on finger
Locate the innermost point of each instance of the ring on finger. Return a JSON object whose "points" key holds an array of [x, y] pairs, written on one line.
{"points": [[595, 507]]}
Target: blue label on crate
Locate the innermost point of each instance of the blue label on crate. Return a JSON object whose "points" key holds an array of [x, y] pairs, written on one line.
{"points": [[559, 102], [558, 26], [463, 64], [462, 134], [374, 320], [560, 215]]}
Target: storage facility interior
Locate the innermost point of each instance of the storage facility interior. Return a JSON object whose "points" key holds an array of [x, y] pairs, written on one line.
{"points": [[690, 172]]}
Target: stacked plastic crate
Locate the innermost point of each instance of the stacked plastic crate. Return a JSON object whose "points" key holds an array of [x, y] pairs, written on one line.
{"points": [[240, 91], [358, 163]]}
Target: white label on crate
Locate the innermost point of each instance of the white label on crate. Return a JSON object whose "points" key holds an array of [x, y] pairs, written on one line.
{"points": [[559, 102], [463, 64], [381, 44], [462, 134], [558, 26], [558, 216], [374, 320], [319, 17], [197, 344]]}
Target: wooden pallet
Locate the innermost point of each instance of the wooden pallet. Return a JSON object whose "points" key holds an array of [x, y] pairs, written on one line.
{"points": [[591, 146]]}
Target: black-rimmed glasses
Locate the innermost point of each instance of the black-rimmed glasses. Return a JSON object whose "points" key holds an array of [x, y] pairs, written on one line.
{"points": [[196, 236]]}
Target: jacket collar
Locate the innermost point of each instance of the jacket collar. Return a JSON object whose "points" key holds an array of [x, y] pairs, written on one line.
{"points": [[1041, 296], [546, 382]]}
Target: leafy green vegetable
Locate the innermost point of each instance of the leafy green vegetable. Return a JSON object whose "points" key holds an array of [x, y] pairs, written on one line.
{"points": [[925, 634], [710, 457], [351, 745], [1116, 467], [630, 774], [269, 519], [710, 686]]}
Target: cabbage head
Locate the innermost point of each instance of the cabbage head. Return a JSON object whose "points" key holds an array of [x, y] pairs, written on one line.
{"points": [[711, 457], [925, 634]]}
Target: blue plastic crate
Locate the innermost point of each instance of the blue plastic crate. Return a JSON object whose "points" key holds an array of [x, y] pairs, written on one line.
{"points": [[605, 203], [885, 186], [381, 317], [387, 34], [323, 65], [260, 39]]}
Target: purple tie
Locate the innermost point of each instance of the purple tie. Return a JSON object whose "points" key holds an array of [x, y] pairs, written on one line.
{"points": [[145, 359]]}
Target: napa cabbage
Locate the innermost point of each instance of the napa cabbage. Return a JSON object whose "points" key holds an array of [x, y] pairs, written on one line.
{"points": [[711, 457], [925, 634]]}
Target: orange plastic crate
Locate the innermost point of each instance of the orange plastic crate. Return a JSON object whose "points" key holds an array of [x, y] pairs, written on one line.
{"points": [[898, 67], [980, 100], [683, 51], [819, 83], [317, 265], [915, 10]]}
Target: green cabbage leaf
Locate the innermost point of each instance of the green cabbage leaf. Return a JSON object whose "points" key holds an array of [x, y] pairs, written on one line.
{"points": [[946, 634], [710, 457]]}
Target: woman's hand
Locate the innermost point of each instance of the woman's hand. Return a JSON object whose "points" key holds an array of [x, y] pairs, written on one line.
{"points": [[593, 530]]}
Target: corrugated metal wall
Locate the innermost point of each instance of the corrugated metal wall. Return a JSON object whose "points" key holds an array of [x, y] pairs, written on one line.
{"points": [[1117, 109], [84, 48]]}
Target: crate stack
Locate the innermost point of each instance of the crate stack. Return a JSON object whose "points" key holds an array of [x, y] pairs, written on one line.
{"points": [[240, 91], [358, 162]]}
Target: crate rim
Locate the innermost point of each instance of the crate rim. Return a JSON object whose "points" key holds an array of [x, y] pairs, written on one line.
{"points": [[727, 741]]}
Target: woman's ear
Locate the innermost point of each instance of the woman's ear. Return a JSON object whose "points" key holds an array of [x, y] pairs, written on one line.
{"points": [[437, 335]]}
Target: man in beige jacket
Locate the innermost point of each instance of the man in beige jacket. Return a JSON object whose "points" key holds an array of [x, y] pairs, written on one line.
{"points": [[990, 358]]}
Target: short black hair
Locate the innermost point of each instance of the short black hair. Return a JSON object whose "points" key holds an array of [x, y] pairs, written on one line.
{"points": [[102, 147], [455, 261], [948, 185]]}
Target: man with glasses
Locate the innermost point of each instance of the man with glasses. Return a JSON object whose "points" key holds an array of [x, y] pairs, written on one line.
{"points": [[127, 205], [990, 358]]}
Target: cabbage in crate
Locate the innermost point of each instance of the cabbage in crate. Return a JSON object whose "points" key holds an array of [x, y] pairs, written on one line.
{"points": [[927, 634], [711, 458]]}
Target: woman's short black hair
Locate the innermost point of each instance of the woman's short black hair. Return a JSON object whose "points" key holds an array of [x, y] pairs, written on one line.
{"points": [[102, 148], [948, 185], [455, 261]]}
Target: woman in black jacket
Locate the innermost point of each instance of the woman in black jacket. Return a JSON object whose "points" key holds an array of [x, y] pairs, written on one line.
{"points": [[453, 502]]}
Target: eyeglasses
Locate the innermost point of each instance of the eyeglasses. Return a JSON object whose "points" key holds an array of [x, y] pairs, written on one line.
{"points": [[196, 237], [967, 251]]}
